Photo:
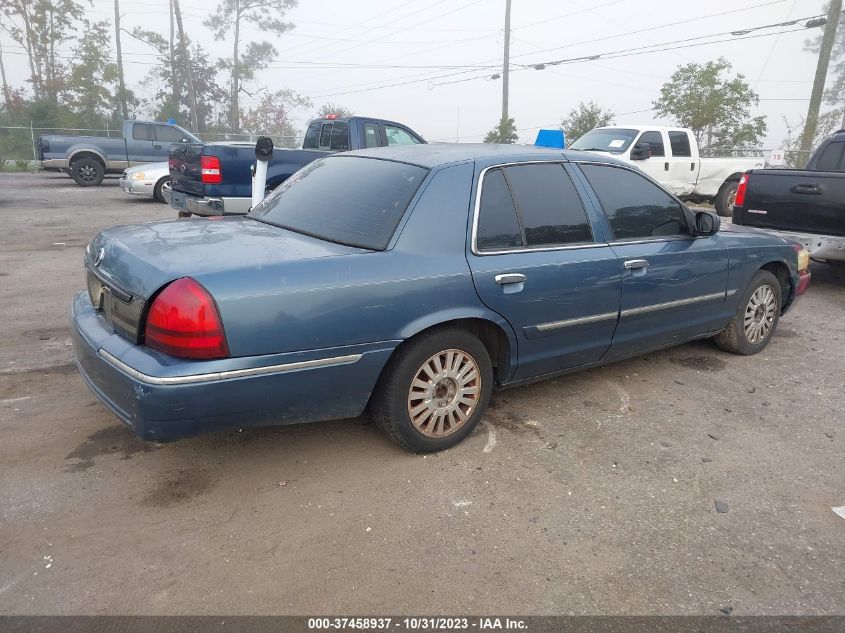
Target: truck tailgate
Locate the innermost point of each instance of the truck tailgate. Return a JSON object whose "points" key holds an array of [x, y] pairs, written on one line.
{"points": [[793, 200], [185, 171]]}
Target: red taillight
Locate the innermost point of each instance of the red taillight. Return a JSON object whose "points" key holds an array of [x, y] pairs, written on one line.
{"points": [[331, 116], [183, 321], [739, 200], [210, 170]]}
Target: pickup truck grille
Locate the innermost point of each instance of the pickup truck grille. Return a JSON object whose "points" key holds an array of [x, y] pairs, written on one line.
{"points": [[121, 310]]}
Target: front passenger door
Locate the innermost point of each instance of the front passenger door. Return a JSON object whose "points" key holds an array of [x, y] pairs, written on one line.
{"points": [[673, 283], [538, 261]]}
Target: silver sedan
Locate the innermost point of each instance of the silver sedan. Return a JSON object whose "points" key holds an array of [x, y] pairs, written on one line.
{"points": [[149, 179]]}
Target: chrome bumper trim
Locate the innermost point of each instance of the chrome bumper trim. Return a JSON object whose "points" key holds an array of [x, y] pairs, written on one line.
{"points": [[225, 375]]}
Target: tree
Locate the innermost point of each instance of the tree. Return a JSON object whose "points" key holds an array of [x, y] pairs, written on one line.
{"points": [[230, 15], [272, 117], [716, 108], [584, 118], [39, 27], [92, 79], [504, 132], [332, 108]]}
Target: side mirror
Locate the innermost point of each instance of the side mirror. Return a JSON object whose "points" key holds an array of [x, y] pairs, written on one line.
{"points": [[706, 223], [641, 151]]}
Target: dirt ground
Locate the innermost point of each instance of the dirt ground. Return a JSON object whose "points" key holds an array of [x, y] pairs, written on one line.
{"points": [[591, 494]]}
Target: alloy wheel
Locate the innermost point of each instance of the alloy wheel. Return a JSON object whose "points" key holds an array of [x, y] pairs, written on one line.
{"points": [[760, 314], [444, 393]]}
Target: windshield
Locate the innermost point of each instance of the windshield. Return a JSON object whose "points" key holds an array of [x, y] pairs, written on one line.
{"points": [[611, 139], [344, 199]]}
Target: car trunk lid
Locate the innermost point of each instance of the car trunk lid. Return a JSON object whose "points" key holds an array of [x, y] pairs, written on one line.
{"points": [[126, 266]]}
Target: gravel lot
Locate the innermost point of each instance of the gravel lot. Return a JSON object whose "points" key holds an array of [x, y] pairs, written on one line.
{"points": [[591, 494]]}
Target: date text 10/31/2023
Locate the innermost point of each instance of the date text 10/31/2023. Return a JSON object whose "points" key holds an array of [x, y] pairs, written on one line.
{"points": [[416, 623]]}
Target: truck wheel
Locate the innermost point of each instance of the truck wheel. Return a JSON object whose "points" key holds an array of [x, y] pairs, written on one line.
{"points": [[157, 189], [87, 172], [756, 318], [724, 201], [435, 389]]}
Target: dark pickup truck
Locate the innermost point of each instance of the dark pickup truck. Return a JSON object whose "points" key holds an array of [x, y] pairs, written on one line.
{"points": [[216, 178], [806, 206]]}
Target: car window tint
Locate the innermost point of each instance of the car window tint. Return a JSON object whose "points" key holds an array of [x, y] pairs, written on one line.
{"points": [[498, 227], [142, 132], [344, 199], [655, 139], [326, 136], [548, 205], [679, 141], [312, 136], [398, 136], [168, 134], [635, 207], [340, 136], [371, 135], [831, 158]]}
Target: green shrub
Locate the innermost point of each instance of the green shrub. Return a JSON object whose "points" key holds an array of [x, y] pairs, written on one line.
{"points": [[22, 165]]}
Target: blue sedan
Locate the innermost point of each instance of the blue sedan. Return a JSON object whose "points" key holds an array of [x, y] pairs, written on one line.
{"points": [[413, 281]]}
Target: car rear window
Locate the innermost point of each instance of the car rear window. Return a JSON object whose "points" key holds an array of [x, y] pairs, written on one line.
{"points": [[348, 200]]}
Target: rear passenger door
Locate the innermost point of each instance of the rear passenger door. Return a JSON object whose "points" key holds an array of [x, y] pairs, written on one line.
{"points": [[165, 135], [139, 148], [683, 170], [673, 283], [538, 259]]}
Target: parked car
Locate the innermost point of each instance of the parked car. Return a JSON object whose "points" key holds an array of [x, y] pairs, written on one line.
{"points": [[88, 158], [803, 205], [415, 280], [216, 178], [671, 156], [151, 180]]}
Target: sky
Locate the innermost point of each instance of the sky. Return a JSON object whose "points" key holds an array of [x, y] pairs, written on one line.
{"points": [[428, 63]]}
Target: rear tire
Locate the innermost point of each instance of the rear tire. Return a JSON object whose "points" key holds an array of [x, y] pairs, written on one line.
{"points": [[87, 172], [434, 390], [724, 201], [756, 317], [157, 189]]}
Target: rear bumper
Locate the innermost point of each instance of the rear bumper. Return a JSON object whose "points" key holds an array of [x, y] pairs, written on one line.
{"points": [[819, 246], [163, 398], [187, 203]]}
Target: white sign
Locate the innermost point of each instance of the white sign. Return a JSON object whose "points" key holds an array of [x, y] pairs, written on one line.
{"points": [[617, 142], [777, 158]]}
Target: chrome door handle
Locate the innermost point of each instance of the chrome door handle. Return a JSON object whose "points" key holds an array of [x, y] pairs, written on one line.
{"points": [[510, 278], [636, 263]]}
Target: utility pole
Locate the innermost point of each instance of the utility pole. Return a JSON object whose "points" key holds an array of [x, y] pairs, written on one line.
{"points": [[174, 91], [506, 63], [183, 45], [6, 94], [123, 109], [828, 39]]}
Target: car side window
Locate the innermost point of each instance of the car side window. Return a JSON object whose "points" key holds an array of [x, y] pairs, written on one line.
{"points": [[312, 136], [167, 134], [831, 158], [655, 139], [142, 132], [340, 136], [548, 205], [498, 228], [371, 135], [398, 136], [635, 207], [679, 141]]}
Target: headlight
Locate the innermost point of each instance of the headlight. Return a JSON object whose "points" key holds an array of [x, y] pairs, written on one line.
{"points": [[138, 175]]}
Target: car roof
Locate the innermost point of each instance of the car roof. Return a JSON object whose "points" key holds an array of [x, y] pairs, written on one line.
{"points": [[440, 154]]}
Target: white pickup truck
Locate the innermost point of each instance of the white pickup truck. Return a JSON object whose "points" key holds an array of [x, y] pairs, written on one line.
{"points": [[670, 155]]}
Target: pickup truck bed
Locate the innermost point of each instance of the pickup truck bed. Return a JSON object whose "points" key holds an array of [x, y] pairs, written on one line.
{"points": [[806, 206]]}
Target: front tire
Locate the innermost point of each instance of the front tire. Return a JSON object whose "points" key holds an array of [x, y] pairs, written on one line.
{"points": [[756, 318], [434, 390], [87, 172], [157, 195], [724, 201]]}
